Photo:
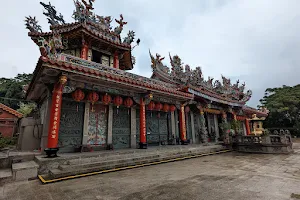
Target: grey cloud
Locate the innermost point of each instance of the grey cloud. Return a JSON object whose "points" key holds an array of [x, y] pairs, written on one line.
{"points": [[254, 41]]}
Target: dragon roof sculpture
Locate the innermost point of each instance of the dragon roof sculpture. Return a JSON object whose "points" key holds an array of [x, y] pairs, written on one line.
{"points": [[184, 76], [100, 26]]}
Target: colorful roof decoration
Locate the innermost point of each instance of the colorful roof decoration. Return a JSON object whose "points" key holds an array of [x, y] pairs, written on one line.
{"points": [[86, 22], [262, 112], [10, 110], [194, 81], [74, 64]]}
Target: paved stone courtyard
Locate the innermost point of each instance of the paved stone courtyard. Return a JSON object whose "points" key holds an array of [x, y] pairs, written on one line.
{"points": [[225, 176]]}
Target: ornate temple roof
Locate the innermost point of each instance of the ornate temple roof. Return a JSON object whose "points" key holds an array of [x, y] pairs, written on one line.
{"points": [[192, 81], [263, 112], [95, 26]]}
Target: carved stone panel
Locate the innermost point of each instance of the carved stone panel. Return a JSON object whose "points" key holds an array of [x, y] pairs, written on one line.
{"points": [[121, 128], [71, 126], [157, 127]]}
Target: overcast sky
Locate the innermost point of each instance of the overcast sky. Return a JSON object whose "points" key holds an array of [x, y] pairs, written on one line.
{"points": [[256, 41]]}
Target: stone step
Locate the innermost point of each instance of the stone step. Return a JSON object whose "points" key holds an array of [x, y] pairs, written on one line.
{"points": [[5, 176], [25, 170], [118, 157], [71, 170], [105, 162]]}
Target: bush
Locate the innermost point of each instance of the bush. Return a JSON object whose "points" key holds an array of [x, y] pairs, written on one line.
{"points": [[6, 142]]}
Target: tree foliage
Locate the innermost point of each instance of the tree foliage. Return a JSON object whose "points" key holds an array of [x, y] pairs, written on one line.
{"points": [[13, 88], [284, 106]]}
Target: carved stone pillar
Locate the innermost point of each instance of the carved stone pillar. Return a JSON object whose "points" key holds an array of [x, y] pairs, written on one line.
{"points": [[54, 123], [133, 128], [143, 139], [204, 134], [173, 128], [182, 125], [193, 128]]}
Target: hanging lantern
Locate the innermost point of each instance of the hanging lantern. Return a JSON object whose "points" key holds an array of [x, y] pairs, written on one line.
{"points": [[158, 107], [172, 108], [78, 96], [106, 99], [166, 108], [128, 103], [118, 101], [93, 97], [151, 107], [187, 109]]}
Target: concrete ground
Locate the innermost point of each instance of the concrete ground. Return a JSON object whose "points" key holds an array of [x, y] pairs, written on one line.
{"points": [[233, 176]]}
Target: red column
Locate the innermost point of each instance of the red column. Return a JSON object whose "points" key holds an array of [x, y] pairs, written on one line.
{"points": [[84, 51], [55, 113], [247, 127], [116, 60], [143, 141], [182, 125]]}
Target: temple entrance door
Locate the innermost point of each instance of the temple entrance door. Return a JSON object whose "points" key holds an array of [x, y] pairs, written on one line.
{"points": [[157, 128], [71, 126], [121, 128], [97, 129]]}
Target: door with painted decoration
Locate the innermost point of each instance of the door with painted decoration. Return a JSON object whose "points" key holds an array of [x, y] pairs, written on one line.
{"points": [[97, 127]]}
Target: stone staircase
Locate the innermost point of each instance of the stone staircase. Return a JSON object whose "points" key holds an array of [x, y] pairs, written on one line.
{"points": [[117, 160], [17, 166]]}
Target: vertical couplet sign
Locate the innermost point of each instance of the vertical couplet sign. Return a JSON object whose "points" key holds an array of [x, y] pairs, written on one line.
{"points": [[84, 51], [116, 60], [182, 124], [142, 122], [55, 115], [247, 127]]}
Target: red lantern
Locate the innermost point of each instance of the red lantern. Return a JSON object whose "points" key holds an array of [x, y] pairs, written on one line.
{"points": [[187, 109], [166, 108], [151, 105], [128, 103], [158, 106], [78, 96], [106, 99], [118, 101], [172, 108], [93, 97]]}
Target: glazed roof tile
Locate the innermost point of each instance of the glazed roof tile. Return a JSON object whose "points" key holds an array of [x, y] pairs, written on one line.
{"points": [[10, 110], [119, 76]]}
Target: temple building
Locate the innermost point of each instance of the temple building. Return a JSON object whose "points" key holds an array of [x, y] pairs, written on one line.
{"points": [[87, 97]]}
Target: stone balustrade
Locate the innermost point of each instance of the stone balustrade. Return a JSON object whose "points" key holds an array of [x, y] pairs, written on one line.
{"points": [[275, 143]]}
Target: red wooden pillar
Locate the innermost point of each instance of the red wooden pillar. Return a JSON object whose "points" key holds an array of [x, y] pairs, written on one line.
{"points": [[84, 51], [116, 60], [247, 127], [182, 125], [143, 140], [55, 116]]}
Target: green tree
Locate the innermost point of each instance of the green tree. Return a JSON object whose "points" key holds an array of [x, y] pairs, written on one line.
{"points": [[13, 88], [26, 109], [284, 106]]}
